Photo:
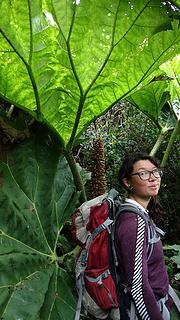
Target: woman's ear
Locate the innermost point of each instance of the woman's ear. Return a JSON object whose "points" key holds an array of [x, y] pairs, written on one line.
{"points": [[126, 183]]}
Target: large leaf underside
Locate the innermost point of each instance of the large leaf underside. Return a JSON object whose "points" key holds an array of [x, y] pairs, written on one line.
{"points": [[151, 99], [67, 62], [37, 196]]}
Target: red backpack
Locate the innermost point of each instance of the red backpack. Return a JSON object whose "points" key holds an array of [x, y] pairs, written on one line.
{"points": [[92, 224]]}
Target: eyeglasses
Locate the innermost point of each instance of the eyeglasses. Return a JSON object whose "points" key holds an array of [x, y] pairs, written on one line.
{"points": [[145, 174]]}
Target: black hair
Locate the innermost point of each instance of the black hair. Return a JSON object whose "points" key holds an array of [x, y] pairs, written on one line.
{"points": [[154, 206]]}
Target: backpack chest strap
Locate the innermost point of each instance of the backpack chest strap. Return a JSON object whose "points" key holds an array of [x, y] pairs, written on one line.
{"points": [[101, 227], [98, 279]]}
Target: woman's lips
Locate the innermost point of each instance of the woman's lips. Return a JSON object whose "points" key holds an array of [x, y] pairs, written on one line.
{"points": [[154, 186]]}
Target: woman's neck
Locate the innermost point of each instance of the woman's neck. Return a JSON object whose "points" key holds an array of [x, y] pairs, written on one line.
{"points": [[142, 201]]}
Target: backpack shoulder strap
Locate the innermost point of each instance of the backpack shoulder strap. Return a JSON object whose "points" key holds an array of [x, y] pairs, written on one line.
{"points": [[133, 208]]}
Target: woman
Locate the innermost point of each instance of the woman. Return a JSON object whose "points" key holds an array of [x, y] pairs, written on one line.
{"points": [[145, 277]]}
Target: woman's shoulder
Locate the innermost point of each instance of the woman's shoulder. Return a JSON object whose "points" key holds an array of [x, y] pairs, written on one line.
{"points": [[129, 219], [128, 225]]}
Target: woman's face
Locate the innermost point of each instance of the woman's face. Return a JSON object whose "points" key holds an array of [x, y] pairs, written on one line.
{"points": [[144, 188]]}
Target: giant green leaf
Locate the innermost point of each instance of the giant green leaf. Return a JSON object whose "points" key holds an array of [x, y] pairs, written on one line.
{"points": [[165, 86], [172, 69], [151, 98], [67, 62], [37, 195]]}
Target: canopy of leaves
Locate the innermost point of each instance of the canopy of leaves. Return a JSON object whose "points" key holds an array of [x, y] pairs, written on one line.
{"points": [[67, 62], [36, 197]]}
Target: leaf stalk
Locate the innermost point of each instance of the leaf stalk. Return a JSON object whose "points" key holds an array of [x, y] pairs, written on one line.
{"points": [[158, 143], [170, 144], [76, 174]]}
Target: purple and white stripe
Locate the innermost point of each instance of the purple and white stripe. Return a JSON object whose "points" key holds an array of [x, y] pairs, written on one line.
{"points": [[137, 284]]}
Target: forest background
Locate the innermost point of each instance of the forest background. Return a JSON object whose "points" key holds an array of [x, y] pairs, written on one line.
{"points": [[77, 83]]}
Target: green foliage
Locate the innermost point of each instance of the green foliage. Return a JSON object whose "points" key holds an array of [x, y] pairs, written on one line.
{"points": [[151, 98], [174, 314], [176, 257], [169, 196], [172, 259], [172, 70], [167, 118], [67, 62], [36, 199], [155, 99]]}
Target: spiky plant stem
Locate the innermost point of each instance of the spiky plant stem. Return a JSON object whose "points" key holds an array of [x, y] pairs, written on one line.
{"points": [[98, 180]]}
